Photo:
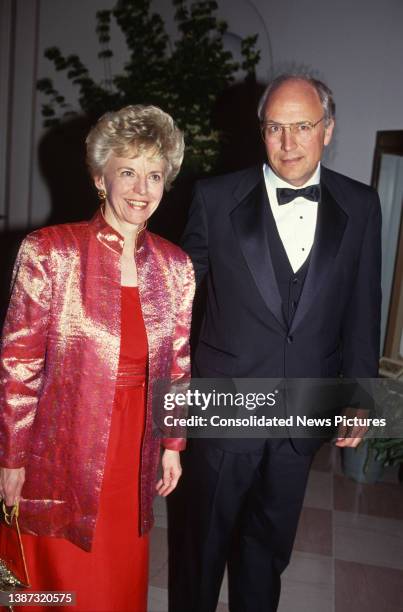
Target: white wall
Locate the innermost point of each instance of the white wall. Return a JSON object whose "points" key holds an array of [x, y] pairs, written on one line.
{"points": [[356, 47]]}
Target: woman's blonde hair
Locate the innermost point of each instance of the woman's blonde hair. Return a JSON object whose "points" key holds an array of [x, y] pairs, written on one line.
{"points": [[132, 131]]}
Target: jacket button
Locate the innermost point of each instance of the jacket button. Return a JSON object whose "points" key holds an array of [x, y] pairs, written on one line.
{"points": [[290, 339]]}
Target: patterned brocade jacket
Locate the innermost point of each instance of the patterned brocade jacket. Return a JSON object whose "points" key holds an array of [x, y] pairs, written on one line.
{"points": [[59, 361]]}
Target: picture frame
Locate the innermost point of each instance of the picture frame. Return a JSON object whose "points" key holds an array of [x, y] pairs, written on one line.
{"points": [[394, 329], [387, 179]]}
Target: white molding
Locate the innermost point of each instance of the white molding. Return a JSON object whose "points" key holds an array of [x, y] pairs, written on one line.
{"points": [[22, 113], [6, 31]]}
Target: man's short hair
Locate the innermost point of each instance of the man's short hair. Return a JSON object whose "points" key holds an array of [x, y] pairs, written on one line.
{"points": [[324, 92]]}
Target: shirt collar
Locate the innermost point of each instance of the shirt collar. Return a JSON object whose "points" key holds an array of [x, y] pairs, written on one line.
{"points": [[273, 181], [109, 237]]}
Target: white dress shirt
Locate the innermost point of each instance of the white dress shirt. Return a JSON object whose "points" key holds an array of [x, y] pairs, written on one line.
{"points": [[296, 221]]}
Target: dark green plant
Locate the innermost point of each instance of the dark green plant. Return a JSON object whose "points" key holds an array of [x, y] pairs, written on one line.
{"points": [[184, 76], [389, 451], [389, 397]]}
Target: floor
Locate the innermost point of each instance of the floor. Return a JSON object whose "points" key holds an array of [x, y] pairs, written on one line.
{"points": [[348, 554]]}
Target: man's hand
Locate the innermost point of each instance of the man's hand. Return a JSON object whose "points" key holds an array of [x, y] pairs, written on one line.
{"points": [[171, 472], [350, 435], [11, 481]]}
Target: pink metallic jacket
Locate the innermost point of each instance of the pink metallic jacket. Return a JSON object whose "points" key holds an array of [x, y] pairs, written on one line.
{"points": [[59, 361]]}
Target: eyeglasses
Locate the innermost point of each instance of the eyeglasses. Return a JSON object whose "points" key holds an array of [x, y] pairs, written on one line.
{"points": [[302, 131]]}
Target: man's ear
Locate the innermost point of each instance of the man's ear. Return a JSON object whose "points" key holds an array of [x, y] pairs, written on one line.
{"points": [[329, 132]]}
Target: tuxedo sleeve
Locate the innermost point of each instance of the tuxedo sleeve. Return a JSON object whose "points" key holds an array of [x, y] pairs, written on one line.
{"points": [[195, 237], [361, 326]]}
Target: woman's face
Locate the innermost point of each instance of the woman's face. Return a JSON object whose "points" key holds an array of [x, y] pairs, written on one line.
{"points": [[134, 188]]}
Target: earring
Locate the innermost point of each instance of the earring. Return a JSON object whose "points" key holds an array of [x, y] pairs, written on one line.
{"points": [[102, 195]]}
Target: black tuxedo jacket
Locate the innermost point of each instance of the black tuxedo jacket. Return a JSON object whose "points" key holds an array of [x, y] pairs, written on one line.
{"points": [[335, 330]]}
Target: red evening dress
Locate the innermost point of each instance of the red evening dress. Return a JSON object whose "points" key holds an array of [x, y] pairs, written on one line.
{"points": [[112, 577]]}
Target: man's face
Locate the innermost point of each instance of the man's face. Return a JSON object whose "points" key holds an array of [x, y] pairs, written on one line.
{"points": [[296, 101]]}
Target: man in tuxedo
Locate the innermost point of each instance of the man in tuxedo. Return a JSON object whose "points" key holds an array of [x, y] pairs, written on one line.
{"points": [[291, 256]]}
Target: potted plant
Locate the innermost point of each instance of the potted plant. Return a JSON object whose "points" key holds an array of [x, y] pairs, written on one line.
{"points": [[366, 462]]}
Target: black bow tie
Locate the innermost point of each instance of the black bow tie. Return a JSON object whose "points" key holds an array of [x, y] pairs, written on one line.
{"points": [[285, 195]]}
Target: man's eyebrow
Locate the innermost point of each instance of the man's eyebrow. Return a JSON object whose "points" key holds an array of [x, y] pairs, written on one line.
{"points": [[290, 123]]}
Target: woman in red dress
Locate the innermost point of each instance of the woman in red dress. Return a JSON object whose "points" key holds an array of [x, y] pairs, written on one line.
{"points": [[98, 320]]}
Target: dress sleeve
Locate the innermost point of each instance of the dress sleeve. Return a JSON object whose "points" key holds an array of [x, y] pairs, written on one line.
{"points": [[180, 372], [23, 349]]}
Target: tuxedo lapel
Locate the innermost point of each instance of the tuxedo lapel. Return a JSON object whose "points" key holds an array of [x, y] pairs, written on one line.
{"points": [[330, 228], [249, 223]]}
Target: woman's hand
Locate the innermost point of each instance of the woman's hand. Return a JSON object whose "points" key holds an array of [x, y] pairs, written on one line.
{"points": [[171, 472], [11, 481]]}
